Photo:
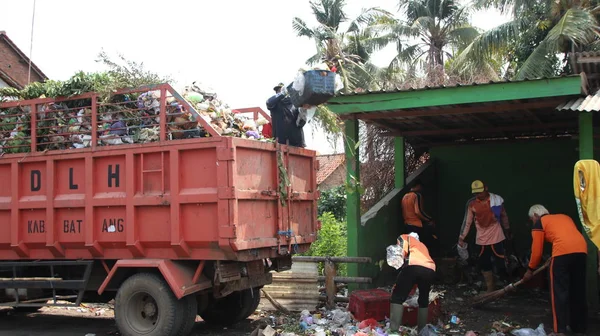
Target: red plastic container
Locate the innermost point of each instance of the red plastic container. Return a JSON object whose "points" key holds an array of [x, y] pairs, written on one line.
{"points": [[370, 303], [375, 304]]}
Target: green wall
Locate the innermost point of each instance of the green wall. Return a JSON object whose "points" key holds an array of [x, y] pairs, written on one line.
{"points": [[380, 227], [523, 174]]}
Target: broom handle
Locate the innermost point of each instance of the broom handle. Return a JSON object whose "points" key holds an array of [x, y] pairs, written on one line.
{"points": [[536, 272]]}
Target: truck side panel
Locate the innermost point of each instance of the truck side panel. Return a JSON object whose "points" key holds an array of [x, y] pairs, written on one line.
{"points": [[212, 199]]}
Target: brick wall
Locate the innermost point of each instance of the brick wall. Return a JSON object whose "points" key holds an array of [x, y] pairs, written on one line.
{"points": [[14, 66]]}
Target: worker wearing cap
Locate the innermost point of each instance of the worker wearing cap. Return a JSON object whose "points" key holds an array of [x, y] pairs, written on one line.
{"points": [[418, 269], [489, 214], [283, 118], [567, 268], [415, 218]]}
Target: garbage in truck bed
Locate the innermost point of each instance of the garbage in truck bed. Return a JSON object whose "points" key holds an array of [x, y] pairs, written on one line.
{"points": [[129, 118]]}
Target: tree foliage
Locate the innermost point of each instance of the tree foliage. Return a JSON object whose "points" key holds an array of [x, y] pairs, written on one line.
{"points": [[538, 32], [333, 201], [121, 73]]}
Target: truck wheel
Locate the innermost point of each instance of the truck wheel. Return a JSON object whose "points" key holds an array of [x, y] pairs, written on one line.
{"points": [[231, 309], [254, 298], [145, 305], [189, 315]]}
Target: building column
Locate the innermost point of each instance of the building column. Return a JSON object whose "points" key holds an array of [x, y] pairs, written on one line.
{"points": [[399, 162], [586, 152], [351, 144]]}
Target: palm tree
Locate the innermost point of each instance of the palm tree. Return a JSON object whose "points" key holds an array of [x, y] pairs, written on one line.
{"points": [[431, 32], [539, 31], [347, 49]]}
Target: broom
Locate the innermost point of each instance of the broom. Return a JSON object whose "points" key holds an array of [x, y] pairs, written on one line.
{"points": [[495, 295]]}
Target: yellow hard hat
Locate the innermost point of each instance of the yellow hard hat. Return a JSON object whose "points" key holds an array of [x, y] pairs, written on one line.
{"points": [[477, 186]]}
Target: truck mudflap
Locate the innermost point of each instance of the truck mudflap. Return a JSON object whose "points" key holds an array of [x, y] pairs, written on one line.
{"points": [[182, 278]]}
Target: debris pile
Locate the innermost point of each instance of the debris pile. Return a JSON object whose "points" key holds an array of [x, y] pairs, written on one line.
{"points": [[123, 119]]}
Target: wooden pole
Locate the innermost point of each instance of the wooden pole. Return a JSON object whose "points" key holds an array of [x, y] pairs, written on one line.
{"points": [[330, 288]]}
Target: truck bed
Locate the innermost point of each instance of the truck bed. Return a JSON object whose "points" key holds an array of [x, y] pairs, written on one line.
{"points": [[211, 198]]}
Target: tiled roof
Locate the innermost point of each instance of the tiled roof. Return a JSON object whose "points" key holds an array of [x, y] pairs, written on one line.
{"points": [[328, 164]]}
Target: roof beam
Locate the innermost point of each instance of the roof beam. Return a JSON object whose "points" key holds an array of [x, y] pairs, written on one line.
{"points": [[496, 92], [552, 103], [460, 131]]}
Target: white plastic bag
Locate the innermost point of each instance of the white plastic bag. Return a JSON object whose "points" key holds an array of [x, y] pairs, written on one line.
{"points": [[539, 331], [339, 84], [395, 256], [299, 82], [463, 252], [428, 330], [310, 113]]}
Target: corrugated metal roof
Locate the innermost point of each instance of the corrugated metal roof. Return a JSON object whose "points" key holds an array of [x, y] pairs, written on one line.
{"points": [[397, 89], [590, 103]]}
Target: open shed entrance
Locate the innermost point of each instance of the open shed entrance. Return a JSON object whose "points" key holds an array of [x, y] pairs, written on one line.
{"points": [[522, 138]]}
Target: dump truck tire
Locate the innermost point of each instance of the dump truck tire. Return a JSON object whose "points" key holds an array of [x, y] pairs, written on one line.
{"points": [[189, 315], [231, 309], [145, 305], [255, 299]]}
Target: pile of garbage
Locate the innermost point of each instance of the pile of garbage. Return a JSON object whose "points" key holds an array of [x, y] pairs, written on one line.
{"points": [[126, 119]]}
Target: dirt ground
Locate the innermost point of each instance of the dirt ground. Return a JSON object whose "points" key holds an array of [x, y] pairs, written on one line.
{"points": [[90, 320], [525, 308]]}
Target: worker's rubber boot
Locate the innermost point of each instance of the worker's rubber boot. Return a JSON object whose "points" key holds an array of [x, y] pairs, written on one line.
{"points": [[422, 318], [396, 313], [489, 281]]}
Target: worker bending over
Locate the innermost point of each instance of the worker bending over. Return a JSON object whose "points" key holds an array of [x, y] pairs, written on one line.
{"points": [[567, 268], [418, 269], [487, 210]]}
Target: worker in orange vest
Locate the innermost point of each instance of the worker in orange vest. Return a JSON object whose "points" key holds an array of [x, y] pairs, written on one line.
{"points": [[418, 269], [567, 268]]}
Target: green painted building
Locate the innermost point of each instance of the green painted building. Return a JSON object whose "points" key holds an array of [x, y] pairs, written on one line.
{"points": [[522, 138]]}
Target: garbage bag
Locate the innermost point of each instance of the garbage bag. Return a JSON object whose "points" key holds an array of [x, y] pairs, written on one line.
{"points": [[463, 252], [299, 82], [395, 256], [339, 84], [429, 330], [539, 331]]}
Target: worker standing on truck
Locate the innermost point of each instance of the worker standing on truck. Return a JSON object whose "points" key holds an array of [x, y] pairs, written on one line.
{"points": [[567, 268], [283, 117], [489, 214], [415, 218], [418, 269]]}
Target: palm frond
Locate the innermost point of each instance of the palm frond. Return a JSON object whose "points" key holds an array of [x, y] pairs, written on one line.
{"points": [[301, 28], [578, 26], [490, 42], [463, 36], [369, 16], [539, 64]]}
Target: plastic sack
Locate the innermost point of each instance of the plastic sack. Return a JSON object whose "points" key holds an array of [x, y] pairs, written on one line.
{"points": [[194, 97], [429, 330], [395, 256], [339, 84], [299, 82], [463, 252], [310, 113], [341, 318], [539, 331]]}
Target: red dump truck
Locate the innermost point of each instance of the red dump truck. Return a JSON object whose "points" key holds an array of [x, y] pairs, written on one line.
{"points": [[169, 229]]}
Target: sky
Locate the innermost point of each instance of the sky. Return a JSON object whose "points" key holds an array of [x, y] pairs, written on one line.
{"points": [[240, 48]]}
